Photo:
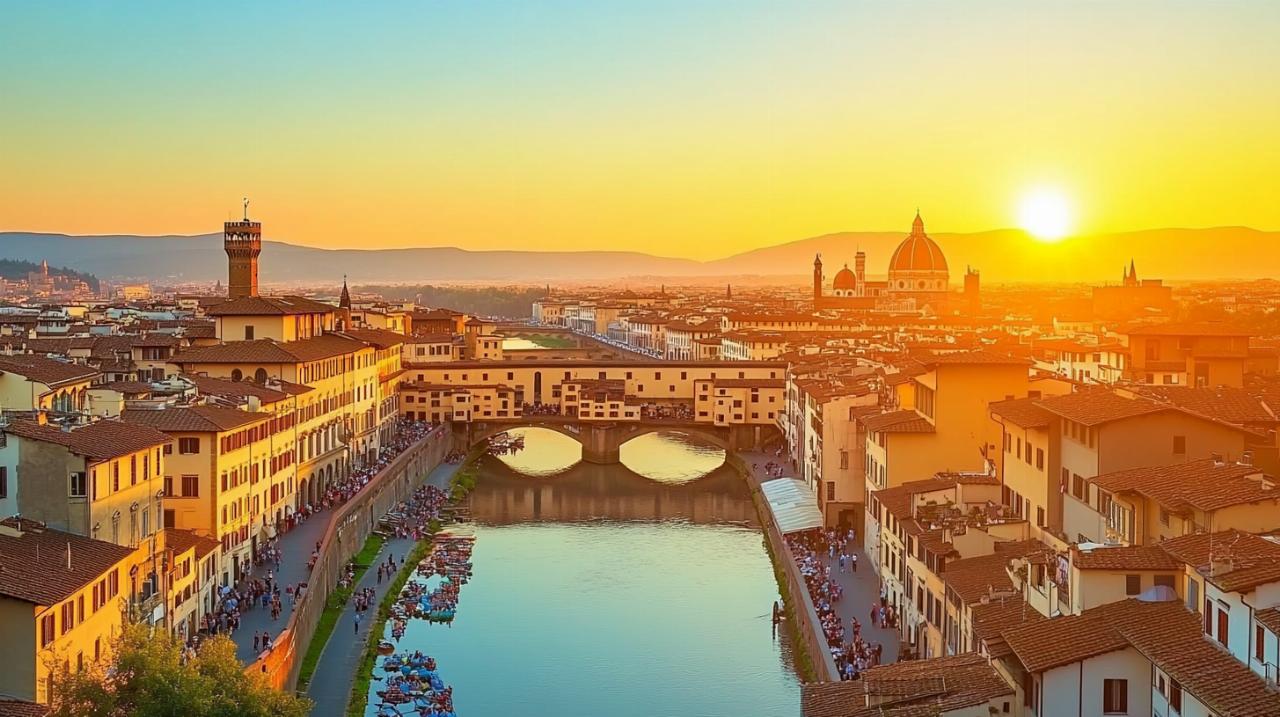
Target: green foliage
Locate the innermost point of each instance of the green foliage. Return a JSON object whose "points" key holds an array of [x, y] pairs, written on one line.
{"points": [[510, 302], [148, 677], [17, 269], [333, 609], [552, 341]]}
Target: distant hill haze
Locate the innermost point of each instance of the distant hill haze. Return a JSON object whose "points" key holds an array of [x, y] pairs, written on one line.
{"points": [[1004, 255]]}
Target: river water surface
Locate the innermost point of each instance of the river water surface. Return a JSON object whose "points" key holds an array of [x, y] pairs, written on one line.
{"points": [[599, 591]]}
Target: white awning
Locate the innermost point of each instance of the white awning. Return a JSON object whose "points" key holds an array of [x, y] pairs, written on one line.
{"points": [[794, 508]]}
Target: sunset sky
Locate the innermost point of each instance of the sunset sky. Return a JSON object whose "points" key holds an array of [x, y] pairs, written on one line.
{"points": [[695, 128]]}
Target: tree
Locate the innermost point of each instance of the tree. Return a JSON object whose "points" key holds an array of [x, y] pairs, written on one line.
{"points": [[148, 675]]}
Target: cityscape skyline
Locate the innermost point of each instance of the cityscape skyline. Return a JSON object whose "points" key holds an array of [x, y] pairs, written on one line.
{"points": [[689, 132]]}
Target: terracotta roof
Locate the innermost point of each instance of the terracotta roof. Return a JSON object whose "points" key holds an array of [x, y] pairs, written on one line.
{"points": [[180, 541], [34, 565], [179, 419], [50, 372], [898, 422], [1124, 557], [1243, 560], [1097, 406], [972, 358], [1172, 640], [1068, 639], [271, 351], [1024, 412], [916, 688], [973, 579], [269, 306], [1224, 403], [989, 620], [22, 708], [235, 389], [1270, 619], [100, 440], [1203, 484], [380, 338]]}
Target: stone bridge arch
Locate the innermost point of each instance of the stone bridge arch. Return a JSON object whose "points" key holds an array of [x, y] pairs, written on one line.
{"points": [[601, 441]]}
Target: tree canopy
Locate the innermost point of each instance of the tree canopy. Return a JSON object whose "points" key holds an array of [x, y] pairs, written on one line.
{"points": [[149, 676]]}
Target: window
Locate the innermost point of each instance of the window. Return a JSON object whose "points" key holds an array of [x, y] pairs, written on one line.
{"points": [[47, 630], [1179, 445], [1115, 697], [1040, 459], [1165, 580], [1259, 643], [1132, 584], [831, 490], [1224, 623], [248, 333], [1040, 517], [191, 486], [79, 485], [188, 446], [1175, 696], [4, 482]]}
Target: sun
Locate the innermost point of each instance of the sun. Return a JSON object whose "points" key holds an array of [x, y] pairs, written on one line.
{"points": [[1045, 214]]}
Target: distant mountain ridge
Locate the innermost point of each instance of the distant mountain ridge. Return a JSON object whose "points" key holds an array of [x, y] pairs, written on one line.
{"points": [[1002, 255]]}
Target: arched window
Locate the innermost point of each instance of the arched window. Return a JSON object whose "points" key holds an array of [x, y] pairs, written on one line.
{"points": [[260, 375], [236, 375]]}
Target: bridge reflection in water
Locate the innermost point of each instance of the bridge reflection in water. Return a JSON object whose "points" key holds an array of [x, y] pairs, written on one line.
{"points": [[536, 486]]}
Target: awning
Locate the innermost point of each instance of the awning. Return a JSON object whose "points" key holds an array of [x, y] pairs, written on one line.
{"points": [[794, 508]]}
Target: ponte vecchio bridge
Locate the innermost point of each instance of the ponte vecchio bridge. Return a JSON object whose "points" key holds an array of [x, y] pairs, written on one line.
{"points": [[602, 404]]}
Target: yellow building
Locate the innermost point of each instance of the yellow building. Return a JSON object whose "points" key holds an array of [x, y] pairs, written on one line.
{"points": [[31, 383], [281, 318], [192, 578], [598, 400], [227, 467], [62, 601], [1188, 355]]}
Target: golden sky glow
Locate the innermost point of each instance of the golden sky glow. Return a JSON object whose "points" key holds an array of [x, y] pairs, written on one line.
{"points": [[685, 129]]}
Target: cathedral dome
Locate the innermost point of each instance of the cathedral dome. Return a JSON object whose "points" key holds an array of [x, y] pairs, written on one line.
{"points": [[918, 252], [845, 280]]}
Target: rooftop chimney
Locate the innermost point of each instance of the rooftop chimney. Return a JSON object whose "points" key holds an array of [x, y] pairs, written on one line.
{"points": [[1217, 460]]}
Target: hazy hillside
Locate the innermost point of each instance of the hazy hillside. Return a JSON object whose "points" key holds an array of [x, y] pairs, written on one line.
{"points": [[1011, 255], [1002, 255], [200, 258]]}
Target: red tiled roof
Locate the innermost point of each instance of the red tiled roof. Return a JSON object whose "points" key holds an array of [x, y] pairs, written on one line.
{"points": [[972, 358], [379, 338], [1097, 406], [1024, 412], [180, 541], [1233, 560], [235, 389], [973, 579], [1174, 642], [1224, 403], [21, 708], [34, 562], [898, 422], [1124, 557], [916, 688], [100, 440], [196, 419], [50, 372], [269, 306], [1203, 484]]}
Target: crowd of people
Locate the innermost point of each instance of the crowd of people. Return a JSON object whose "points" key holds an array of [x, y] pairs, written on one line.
{"points": [[667, 412], [540, 409], [771, 469], [814, 552], [265, 592]]}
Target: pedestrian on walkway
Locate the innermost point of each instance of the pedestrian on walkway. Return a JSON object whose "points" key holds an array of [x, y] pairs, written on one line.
{"points": [[853, 562], [357, 624]]}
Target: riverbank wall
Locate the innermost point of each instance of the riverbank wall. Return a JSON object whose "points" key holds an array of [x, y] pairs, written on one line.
{"points": [[349, 526], [800, 611]]}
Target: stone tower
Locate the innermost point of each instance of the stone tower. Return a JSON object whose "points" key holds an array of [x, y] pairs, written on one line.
{"points": [[817, 280], [243, 242]]}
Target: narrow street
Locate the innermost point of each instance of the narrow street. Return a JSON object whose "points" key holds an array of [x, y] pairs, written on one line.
{"points": [[861, 588]]}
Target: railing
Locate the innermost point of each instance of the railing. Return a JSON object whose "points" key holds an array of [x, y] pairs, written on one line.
{"points": [[349, 526]]}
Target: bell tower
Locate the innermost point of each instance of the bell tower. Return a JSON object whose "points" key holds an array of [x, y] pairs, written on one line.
{"points": [[817, 280], [242, 241]]}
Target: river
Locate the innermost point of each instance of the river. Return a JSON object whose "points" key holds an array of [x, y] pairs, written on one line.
{"points": [[598, 591]]}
